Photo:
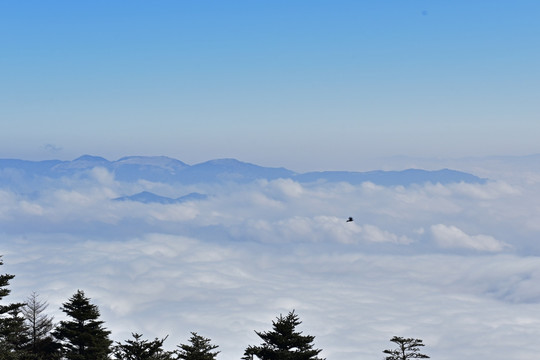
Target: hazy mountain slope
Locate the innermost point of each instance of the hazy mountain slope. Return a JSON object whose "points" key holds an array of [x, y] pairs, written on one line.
{"points": [[391, 178], [15, 173], [147, 197]]}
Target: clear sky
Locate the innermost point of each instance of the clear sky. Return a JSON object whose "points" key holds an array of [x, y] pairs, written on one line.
{"points": [[302, 84]]}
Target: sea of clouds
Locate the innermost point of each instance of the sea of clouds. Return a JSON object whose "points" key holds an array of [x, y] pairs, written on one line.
{"points": [[455, 265]]}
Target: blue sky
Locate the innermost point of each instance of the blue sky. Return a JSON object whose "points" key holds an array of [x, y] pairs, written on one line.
{"points": [[302, 84]]}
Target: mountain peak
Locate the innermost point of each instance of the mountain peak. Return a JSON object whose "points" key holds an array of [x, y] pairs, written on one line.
{"points": [[91, 158], [150, 160], [167, 170], [225, 162]]}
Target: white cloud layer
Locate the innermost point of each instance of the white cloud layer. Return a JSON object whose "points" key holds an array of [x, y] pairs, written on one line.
{"points": [[455, 265], [351, 301], [453, 237]]}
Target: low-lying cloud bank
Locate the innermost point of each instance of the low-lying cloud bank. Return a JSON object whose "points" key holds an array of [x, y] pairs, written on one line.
{"points": [[453, 237], [351, 301], [456, 265], [491, 217]]}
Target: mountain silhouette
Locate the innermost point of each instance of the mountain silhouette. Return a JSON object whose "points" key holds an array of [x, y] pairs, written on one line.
{"points": [[147, 197], [15, 172]]}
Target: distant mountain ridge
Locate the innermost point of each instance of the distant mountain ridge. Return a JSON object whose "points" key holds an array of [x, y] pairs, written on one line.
{"points": [[147, 197], [168, 170]]}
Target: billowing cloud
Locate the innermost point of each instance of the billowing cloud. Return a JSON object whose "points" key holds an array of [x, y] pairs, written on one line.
{"points": [[352, 301], [373, 233], [456, 265], [453, 237], [283, 211]]}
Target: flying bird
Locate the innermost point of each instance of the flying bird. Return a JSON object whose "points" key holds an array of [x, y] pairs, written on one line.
{"points": [[350, 219]]}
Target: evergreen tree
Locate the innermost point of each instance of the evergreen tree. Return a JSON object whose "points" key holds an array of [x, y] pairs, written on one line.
{"points": [[12, 334], [15, 340], [200, 349], [83, 337], [42, 345], [408, 348], [5, 310], [138, 349], [284, 342]]}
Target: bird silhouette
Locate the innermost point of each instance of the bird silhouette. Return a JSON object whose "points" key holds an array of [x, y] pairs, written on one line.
{"points": [[350, 219]]}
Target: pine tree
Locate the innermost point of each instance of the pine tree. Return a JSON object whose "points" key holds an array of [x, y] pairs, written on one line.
{"points": [[4, 291], [14, 334], [138, 349], [200, 349], [284, 342], [42, 344], [83, 337], [408, 348], [12, 330]]}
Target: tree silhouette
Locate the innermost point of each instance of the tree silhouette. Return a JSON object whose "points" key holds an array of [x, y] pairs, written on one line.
{"points": [[84, 337], [15, 341], [139, 349], [284, 342], [200, 349], [12, 328], [408, 348], [42, 344]]}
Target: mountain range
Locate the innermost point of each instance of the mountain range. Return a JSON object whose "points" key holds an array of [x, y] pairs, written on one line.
{"points": [[148, 197], [172, 171]]}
